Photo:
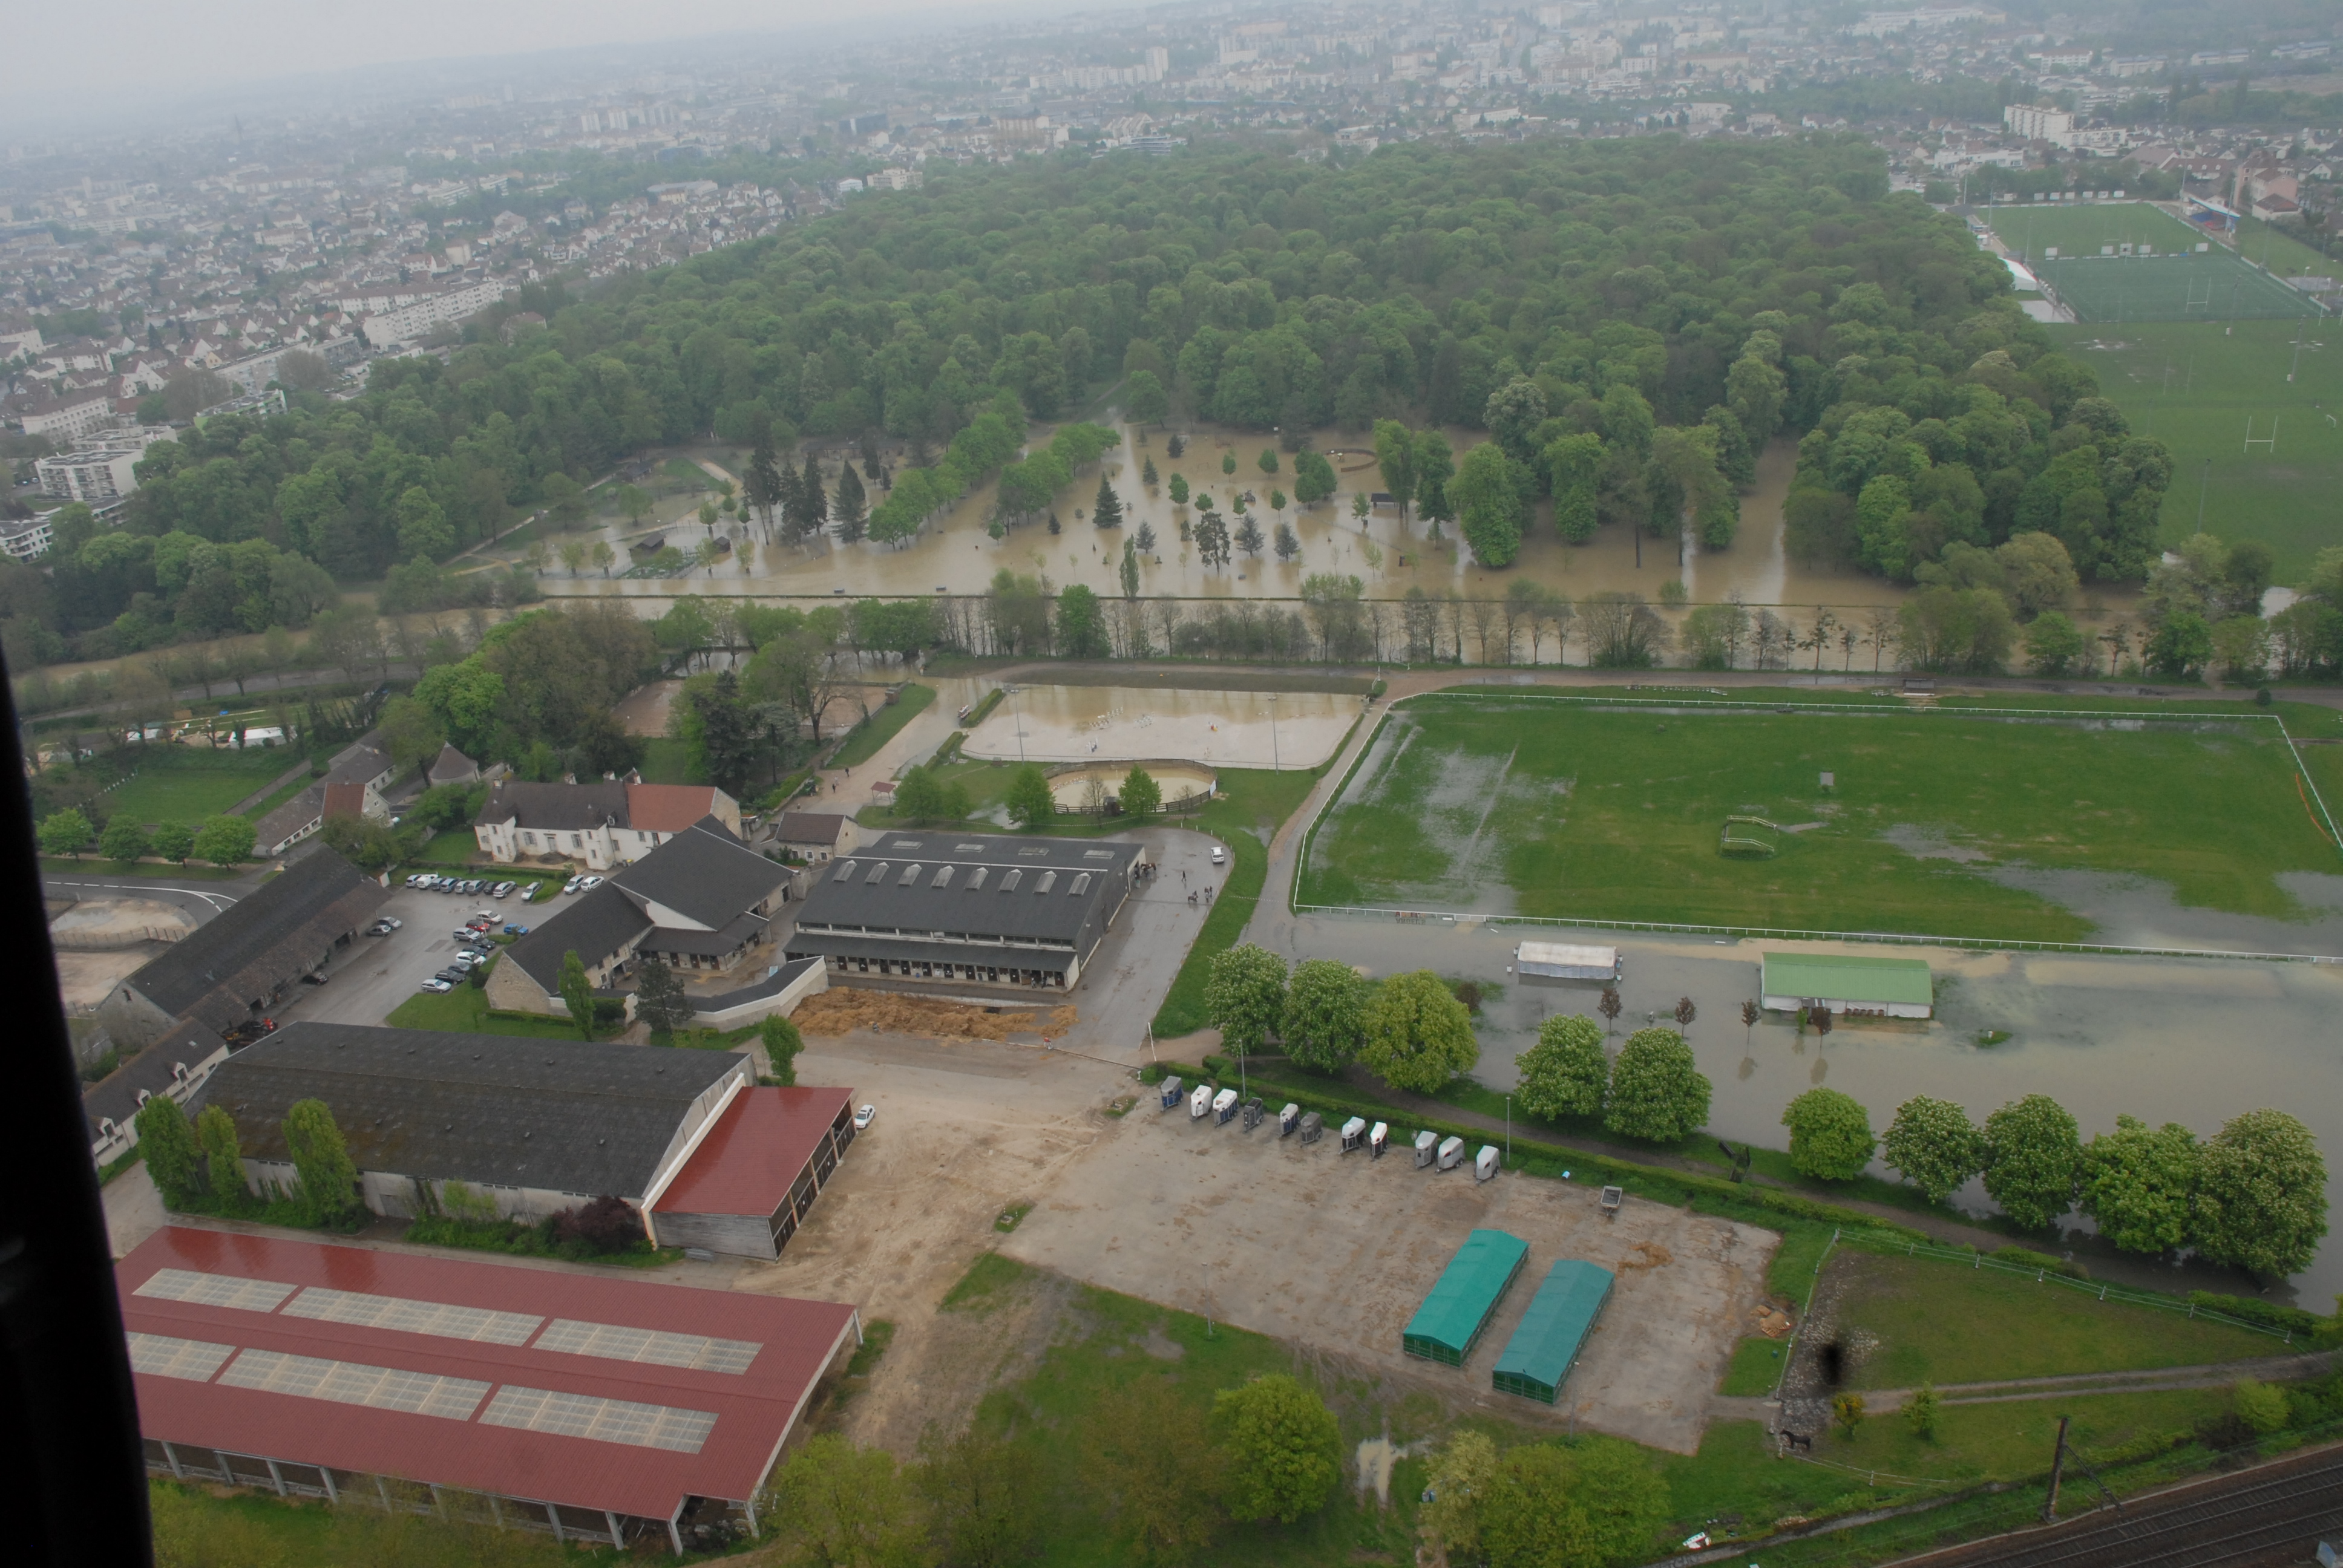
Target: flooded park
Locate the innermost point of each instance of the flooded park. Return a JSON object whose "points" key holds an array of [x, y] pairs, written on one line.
{"points": [[955, 554], [1126, 724]]}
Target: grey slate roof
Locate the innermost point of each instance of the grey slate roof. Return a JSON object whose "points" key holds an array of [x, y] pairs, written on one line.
{"points": [[601, 923], [555, 808], [281, 929], [477, 1107], [308, 807], [811, 945], [870, 894], [115, 1097], [705, 873], [810, 827], [451, 766]]}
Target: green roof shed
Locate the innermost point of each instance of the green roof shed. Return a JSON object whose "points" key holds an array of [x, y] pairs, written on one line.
{"points": [[1539, 1355], [1849, 983], [1457, 1312]]}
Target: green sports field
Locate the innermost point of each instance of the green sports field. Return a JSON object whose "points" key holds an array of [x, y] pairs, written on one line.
{"points": [[2196, 387], [2123, 262], [1509, 806]]}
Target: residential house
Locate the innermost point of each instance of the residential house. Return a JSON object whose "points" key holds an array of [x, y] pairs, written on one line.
{"points": [[176, 1065], [815, 836], [600, 825]]}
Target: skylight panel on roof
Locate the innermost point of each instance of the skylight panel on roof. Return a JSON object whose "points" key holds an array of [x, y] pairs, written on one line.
{"points": [[967, 849], [602, 1420], [351, 1382], [877, 874], [1049, 879], [845, 871], [901, 845], [160, 1356], [911, 876], [1098, 854], [214, 1290], [1009, 883], [1081, 885], [976, 878], [943, 876], [443, 1319], [614, 1342]]}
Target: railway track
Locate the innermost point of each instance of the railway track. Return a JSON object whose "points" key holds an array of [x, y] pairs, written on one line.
{"points": [[2272, 1513]]}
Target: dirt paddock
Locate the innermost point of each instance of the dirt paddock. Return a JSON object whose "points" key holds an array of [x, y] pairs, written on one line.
{"points": [[845, 1008], [1336, 1251]]}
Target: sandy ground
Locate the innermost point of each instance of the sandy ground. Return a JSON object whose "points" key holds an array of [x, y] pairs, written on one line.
{"points": [[846, 1011], [84, 978], [1225, 729], [1336, 1251], [964, 1132], [107, 923]]}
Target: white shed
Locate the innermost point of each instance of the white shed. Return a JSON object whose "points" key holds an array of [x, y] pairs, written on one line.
{"points": [[1565, 961]]}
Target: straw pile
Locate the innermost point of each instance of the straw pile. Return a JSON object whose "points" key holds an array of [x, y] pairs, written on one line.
{"points": [[843, 1010]]}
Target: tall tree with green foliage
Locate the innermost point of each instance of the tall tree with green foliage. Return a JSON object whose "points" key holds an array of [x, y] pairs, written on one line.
{"points": [[2139, 1184], [1934, 1146], [2032, 1151], [1245, 996], [167, 1143], [1106, 508], [1565, 1073], [577, 995], [173, 841], [1127, 571], [66, 832], [983, 1494], [1326, 1024], [223, 1154], [782, 1042], [1141, 795], [1082, 623], [2261, 1194], [849, 508], [321, 1162], [1029, 801], [1435, 466], [225, 840], [1149, 1460], [1487, 494], [659, 998], [1657, 1091], [836, 1506], [1830, 1135], [1586, 1503], [1418, 1035], [123, 840], [1395, 460], [1283, 1447]]}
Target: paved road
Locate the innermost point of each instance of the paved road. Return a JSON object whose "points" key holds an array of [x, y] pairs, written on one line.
{"points": [[201, 901]]}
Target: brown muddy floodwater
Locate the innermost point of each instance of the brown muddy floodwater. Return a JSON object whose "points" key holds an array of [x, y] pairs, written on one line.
{"points": [[1122, 724], [954, 555]]}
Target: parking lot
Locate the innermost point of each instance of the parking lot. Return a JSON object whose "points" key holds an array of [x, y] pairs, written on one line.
{"points": [[376, 974], [1337, 1251]]}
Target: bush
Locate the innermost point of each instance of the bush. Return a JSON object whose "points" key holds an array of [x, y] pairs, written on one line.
{"points": [[1830, 1135], [606, 1225], [2027, 1258], [2263, 1409]]}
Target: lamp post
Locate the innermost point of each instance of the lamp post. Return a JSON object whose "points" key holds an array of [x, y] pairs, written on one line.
{"points": [[1275, 762], [1016, 722]]}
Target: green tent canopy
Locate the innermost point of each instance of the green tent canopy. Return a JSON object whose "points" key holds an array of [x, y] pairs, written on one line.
{"points": [[1457, 1312], [1563, 1313]]}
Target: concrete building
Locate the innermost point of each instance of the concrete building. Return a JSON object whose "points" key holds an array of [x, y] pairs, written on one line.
{"points": [[599, 1409], [102, 469], [27, 539], [352, 787], [816, 837], [176, 1065], [406, 322], [595, 825], [229, 972], [969, 909], [68, 419], [2034, 122], [703, 903]]}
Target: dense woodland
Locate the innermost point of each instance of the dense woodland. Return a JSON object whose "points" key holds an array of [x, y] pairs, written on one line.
{"points": [[1628, 320]]}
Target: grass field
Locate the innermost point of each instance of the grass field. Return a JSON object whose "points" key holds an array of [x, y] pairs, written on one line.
{"points": [[883, 725], [1551, 809], [1942, 1323], [2130, 261], [2196, 387], [181, 784], [465, 1011]]}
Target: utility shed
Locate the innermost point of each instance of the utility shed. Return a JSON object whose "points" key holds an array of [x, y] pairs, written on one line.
{"points": [[1565, 961], [1539, 1355], [1457, 1312], [1858, 987]]}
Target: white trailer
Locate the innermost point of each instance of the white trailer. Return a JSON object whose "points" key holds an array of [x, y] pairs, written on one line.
{"points": [[1199, 1104], [1567, 962], [1225, 1106]]}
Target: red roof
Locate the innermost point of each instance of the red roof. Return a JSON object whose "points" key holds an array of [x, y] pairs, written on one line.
{"points": [[790, 1343], [667, 808], [749, 1159], [344, 800]]}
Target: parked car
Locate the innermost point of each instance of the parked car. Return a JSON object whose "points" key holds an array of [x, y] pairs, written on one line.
{"points": [[438, 986], [865, 1117], [464, 959], [573, 884], [314, 977], [377, 930], [393, 921], [451, 974], [529, 894], [465, 935], [501, 888], [587, 884], [516, 930], [1220, 855], [414, 879]]}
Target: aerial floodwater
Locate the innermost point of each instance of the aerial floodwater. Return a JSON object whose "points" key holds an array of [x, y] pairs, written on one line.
{"points": [[955, 554], [1112, 723]]}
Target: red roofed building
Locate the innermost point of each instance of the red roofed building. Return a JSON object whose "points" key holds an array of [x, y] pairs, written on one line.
{"points": [[597, 825], [748, 1184], [599, 1408]]}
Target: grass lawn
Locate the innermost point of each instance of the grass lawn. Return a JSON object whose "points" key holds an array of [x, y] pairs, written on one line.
{"points": [[1756, 1366], [667, 761], [278, 799], [1250, 807], [2194, 387], [450, 847], [886, 721], [1940, 1322], [465, 1011], [1551, 809], [181, 784]]}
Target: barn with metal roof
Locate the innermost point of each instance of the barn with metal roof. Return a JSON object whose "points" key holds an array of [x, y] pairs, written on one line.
{"points": [[1539, 1356], [969, 909], [1457, 1312], [597, 1408]]}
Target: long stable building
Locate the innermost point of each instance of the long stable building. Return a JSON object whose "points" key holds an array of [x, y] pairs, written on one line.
{"points": [[973, 910], [600, 1409]]}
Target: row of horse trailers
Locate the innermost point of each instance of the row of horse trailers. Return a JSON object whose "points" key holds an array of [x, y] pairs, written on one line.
{"points": [[1222, 1107], [1464, 1301]]}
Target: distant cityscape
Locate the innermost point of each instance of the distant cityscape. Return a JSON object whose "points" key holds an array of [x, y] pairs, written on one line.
{"points": [[149, 278]]}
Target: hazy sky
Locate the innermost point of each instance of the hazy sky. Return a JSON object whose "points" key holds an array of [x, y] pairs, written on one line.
{"points": [[170, 50]]}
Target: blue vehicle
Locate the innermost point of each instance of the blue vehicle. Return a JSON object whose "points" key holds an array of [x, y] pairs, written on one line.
{"points": [[516, 930]]}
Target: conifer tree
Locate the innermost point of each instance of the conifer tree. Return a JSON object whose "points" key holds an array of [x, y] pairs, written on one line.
{"points": [[1107, 510]]}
